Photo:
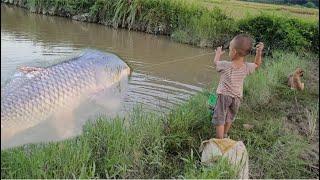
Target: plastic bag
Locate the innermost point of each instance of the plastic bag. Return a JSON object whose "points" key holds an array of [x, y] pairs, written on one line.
{"points": [[234, 151]]}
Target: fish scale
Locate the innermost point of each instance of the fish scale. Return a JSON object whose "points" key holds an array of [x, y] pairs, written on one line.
{"points": [[34, 99]]}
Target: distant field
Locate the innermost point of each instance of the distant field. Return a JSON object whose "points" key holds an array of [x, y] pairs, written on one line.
{"points": [[239, 9]]}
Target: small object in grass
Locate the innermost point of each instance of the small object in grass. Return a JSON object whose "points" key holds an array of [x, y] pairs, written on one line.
{"points": [[294, 79], [212, 103], [247, 126], [212, 100]]}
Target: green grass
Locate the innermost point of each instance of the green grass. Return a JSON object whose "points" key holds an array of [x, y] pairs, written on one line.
{"points": [[273, 75], [147, 145], [240, 9]]}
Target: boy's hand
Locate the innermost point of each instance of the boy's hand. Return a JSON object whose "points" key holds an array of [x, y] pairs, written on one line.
{"points": [[219, 53], [259, 48], [258, 59]]}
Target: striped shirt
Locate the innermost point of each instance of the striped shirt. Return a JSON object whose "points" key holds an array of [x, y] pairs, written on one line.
{"points": [[231, 78]]}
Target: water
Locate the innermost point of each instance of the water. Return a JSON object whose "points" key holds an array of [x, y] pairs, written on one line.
{"points": [[38, 40]]}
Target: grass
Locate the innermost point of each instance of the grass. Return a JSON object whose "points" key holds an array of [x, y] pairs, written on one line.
{"points": [[240, 9], [312, 116], [267, 79], [146, 145]]}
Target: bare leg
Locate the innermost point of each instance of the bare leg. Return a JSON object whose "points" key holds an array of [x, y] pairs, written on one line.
{"points": [[227, 127], [219, 131]]}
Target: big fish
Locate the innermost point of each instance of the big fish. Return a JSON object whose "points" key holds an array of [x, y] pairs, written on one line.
{"points": [[38, 93]]}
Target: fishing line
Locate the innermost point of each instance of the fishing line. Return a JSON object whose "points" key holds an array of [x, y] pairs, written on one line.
{"points": [[178, 60]]}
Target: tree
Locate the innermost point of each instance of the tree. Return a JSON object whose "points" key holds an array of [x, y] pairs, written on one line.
{"points": [[310, 5]]}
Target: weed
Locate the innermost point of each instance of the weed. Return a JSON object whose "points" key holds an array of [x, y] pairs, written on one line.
{"points": [[312, 118]]}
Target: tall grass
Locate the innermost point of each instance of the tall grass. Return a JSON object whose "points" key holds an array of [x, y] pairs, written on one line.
{"points": [[222, 169], [260, 88], [312, 118], [209, 29], [146, 145], [239, 10]]}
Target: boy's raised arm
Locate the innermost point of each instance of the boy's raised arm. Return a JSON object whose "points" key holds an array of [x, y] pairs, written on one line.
{"points": [[258, 58], [218, 55]]}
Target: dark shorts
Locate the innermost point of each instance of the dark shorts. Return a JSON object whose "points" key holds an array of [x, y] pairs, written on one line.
{"points": [[225, 110]]}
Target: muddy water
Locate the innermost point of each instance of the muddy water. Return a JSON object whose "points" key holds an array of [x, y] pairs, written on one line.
{"points": [[165, 73]]}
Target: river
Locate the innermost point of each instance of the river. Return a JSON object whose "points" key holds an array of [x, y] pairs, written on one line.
{"points": [[165, 73]]}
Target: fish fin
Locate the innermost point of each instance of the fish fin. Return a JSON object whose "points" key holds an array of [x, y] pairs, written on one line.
{"points": [[30, 72], [6, 135], [64, 123], [28, 69], [100, 79], [108, 99], [110, 96]]}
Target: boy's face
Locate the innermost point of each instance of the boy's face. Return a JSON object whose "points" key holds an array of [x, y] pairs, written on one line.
{"points": [[232, 50]]}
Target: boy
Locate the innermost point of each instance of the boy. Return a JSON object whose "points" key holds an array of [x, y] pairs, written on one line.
{"points": [[232, 75]]}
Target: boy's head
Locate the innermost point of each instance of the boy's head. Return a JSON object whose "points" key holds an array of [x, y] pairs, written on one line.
{"points": [[240, 46]]}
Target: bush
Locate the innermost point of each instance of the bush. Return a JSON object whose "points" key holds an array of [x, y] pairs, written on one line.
{"points": [[281, 32], [310, 5], [212, 28]]}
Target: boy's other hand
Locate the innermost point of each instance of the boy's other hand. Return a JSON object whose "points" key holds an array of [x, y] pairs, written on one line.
{"points": [[258, 59], [259, 48], [219, 51]]}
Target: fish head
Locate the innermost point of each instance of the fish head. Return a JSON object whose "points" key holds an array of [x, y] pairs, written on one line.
{"points": [[111, 70]]}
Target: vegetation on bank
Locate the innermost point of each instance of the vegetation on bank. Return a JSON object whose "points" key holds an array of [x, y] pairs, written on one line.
{"points": [[238, 9], [202, 24], [146, 145]]}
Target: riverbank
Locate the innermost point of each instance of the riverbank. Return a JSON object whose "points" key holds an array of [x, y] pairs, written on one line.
{"points": [[282, 144], [200, 24]]}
